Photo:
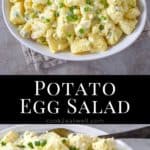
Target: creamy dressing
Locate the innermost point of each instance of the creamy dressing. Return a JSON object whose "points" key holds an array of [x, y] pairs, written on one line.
{"points": [[51, 141], [81, 26]]}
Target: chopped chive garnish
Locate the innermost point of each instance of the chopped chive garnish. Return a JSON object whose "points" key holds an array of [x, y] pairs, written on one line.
{"points": [[37, 143], [101, 27], [21, 146], [86, 9], [61, 5], [3, 143], [30, 145], [43, 143], [88, 2], [64, 141], [70, 15], [73, 148], [81, 31], [49, 2]]}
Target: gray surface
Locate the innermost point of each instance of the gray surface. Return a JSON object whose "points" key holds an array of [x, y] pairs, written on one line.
{"points": [[134, 60], [134, 143]]}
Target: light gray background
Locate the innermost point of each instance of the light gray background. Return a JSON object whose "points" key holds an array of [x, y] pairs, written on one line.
{"points": [[139, 144], [134, 60]]}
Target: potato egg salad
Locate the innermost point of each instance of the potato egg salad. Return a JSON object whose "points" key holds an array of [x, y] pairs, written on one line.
{"points": [[80, 26], [52, 141]]}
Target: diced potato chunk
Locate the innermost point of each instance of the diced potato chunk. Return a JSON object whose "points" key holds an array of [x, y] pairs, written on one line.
{"points": [[127, 26], [17, 13], [56, 44]]}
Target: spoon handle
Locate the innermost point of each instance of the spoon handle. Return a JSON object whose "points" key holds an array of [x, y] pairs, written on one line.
{"points": [[137, 133]]}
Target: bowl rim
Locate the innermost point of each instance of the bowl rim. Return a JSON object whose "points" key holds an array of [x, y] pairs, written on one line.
{"points": [[73, 57]]}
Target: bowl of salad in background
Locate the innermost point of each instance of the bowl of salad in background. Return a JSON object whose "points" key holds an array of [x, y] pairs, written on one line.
{"points": [[83, 46], [35, 136]]}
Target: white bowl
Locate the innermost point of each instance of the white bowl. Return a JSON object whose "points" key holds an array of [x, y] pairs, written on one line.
{"points": [[76, 128], [127, 41]]}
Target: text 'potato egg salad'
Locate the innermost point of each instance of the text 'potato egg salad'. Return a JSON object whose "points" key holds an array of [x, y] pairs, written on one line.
{"points": [[52, 141], [81, 26]]}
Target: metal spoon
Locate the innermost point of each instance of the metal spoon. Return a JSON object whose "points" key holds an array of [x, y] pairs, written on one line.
{"points": [[136, 133]]}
